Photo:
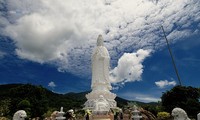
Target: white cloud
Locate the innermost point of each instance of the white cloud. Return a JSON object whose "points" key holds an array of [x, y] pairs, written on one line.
{"points": [[148, 99], [139, 97], [129, 67], [52, 84], [64, 33], [165, 83]]}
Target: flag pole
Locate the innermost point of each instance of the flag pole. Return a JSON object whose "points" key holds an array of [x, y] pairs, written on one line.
{"points": [[170, 52]]}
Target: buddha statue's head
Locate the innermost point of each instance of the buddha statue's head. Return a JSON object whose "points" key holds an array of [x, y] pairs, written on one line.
{"points": [[100, 41]]}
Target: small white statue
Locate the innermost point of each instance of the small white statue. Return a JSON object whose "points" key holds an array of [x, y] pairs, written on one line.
{"points": [[179, 114], [101, 105], [59, 115], [20, 115]]}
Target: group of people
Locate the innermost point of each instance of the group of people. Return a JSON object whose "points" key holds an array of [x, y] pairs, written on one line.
{"points": [[118, 116], [70, 115]]}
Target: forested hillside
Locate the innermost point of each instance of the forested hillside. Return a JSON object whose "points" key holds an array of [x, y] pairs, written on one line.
{"points": [[37, 100]]}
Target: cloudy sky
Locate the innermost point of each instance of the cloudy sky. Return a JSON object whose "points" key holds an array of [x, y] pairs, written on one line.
{"points": [[50, 42]]}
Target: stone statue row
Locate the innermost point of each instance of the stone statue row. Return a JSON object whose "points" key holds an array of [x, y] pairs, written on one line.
{"points": [[177, 113], [56, 115]]}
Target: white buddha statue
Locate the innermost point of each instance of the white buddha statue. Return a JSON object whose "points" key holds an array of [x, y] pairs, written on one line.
{"points": [[100, 96], [100, 66]]}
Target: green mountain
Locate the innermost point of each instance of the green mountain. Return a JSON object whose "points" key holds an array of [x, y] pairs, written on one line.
{"points": [[38, 100]]}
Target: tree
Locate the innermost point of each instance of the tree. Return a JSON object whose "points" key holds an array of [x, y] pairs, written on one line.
{"points": [[186, 98], [25, 105], [30, 96]]}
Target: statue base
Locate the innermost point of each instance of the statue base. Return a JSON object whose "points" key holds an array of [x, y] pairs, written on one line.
{"points": [[94, 96]]}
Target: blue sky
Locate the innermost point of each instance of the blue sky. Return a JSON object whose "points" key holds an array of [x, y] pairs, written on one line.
{"points": [[49, 43]]}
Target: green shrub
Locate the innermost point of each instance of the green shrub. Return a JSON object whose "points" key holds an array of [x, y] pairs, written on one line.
{"points": [[163, 115]]}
